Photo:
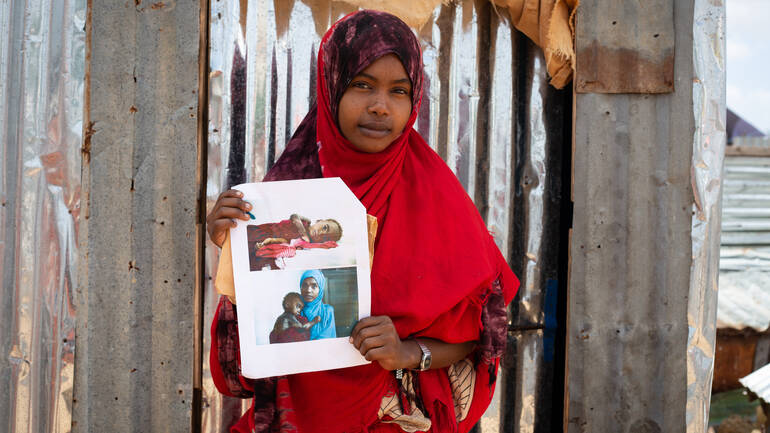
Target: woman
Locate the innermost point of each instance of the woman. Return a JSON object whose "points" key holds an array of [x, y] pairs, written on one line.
{"points": [[439, 283], [312, 286]]}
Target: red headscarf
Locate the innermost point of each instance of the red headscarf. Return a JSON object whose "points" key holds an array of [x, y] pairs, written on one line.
{"points": [[434, 260]]}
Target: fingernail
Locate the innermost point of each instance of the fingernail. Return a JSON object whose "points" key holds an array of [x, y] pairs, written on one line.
{"points": [[248, 206], [350, 339], [240, 194]]}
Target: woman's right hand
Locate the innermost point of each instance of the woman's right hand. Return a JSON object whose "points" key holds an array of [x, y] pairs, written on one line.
{"points": [[228, 207]]}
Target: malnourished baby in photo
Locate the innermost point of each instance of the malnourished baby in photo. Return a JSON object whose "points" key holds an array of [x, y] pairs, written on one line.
{"points": [[299, 227], [290, 326]]}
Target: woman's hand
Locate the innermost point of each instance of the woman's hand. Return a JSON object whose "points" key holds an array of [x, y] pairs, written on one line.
{"points": [[377, 340], [228, 207]]}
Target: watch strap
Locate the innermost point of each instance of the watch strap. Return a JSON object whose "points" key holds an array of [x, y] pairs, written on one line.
{"points": [[427, 357]]}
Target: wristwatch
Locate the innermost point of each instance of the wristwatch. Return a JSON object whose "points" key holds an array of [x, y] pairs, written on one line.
{"points": [[426, 356]]}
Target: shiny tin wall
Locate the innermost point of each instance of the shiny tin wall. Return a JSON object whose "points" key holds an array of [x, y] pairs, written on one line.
{"points": [[42, 59], [487, 110], [708, 150]]}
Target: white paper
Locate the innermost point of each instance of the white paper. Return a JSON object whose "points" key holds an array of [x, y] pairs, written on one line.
{"points": [[261, 284]]}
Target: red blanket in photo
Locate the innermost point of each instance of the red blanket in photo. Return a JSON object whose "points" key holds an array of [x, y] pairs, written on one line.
{"points": [[275, 251]]}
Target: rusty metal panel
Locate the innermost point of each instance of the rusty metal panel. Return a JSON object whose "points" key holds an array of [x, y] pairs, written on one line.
{"points": [[631, 278], [42, 56], [625, 46], [134, 368], [506, 149], [645, 242]]}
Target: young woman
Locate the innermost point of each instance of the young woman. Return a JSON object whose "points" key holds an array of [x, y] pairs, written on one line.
{"points": [[439, 283], [312, 286]]}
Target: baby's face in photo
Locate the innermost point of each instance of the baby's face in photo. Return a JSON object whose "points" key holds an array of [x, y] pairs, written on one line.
{"points": [[297, 308], [324, 230]]}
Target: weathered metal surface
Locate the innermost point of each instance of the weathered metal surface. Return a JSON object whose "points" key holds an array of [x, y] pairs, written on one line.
{"points": [[526, 384], [744, 280], [137, 238], [487, 110], [709, 113], [646, 194], [42, 53], [625, 47], [750, 142], [746, 210], [733, 359], [743, 300], [758, 382]]}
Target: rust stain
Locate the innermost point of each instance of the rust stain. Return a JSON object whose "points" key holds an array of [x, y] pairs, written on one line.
{"points": [[86, 149], [156, 6], [603, 69], [132, 109]]}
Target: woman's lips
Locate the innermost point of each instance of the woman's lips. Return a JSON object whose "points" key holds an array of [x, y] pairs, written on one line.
{"points": [[373, 130]]}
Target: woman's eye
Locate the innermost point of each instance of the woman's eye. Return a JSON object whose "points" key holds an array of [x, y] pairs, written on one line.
{"points": [[360, 85], [401, 91]]}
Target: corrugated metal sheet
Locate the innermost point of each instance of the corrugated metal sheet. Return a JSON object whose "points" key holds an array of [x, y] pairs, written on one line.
{"points": [[42, 57], [135, 305], [752, 141], [744, 278], [645, 236], [758, 382], [746, 210], [487, 110], [744, 300]]}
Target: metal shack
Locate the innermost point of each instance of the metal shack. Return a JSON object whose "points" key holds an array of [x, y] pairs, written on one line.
{"points": [[120, 125]]}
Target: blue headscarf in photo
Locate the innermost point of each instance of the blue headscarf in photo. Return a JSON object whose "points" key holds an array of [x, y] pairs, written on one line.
{"points": [[326, 328]]}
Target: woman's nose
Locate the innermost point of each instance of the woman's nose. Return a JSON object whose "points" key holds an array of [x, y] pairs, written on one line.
{"points": [[378, 105]]}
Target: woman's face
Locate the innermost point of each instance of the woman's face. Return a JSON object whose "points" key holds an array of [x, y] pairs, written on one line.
{"points": [[376, 106], [309, 289]]}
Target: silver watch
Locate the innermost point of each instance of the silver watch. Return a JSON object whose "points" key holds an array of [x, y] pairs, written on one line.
{"points": [[426, 356]]}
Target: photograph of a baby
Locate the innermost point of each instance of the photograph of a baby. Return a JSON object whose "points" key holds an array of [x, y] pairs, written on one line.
{"points": [[305, 316], [270, 244]]}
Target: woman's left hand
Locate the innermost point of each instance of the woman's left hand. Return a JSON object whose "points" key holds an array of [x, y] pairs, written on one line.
{"points": [[377, 340]]}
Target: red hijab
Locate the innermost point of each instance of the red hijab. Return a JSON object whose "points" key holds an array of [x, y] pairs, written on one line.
{"points": [[434, 259]]}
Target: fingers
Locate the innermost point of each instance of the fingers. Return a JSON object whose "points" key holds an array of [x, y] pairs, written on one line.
{"points": [[371, 343], [375, 354], [230, 212], [365, 323], [232, 199], [221, 225]]}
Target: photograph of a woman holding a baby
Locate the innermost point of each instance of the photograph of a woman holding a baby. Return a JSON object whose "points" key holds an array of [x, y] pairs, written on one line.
{"points": [[305, 316]]}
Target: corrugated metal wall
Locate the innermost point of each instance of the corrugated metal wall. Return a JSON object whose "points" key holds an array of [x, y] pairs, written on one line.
{"points": [[135, 348], [744, 267], [647, 190], [489, 113], [487, 110], [746, 212], [42, 58]]}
